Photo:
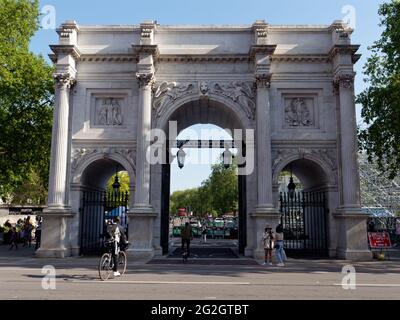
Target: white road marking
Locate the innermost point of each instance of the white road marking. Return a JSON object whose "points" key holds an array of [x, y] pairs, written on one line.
{"points": [[383, 285], [163, 282]]}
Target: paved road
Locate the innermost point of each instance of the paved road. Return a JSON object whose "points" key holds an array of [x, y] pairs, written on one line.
{"points": [[21, 278]]}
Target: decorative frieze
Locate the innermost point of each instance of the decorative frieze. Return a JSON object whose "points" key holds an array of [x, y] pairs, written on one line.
{"points": [[167, 92], [240, 92]]}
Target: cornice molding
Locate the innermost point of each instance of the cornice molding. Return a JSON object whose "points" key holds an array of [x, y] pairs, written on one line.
{"points": [[267, 49], [205, 58], [349, 49], [108, 58], [300, 58], [68, 49], [146, 48]]}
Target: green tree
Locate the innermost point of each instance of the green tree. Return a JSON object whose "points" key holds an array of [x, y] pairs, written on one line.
{"points": [[26, 102], [123, 178], [223, 184], [381, 100], [217, 195]]}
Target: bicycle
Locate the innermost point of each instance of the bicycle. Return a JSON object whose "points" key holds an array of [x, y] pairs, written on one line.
{"points": [[106, 263], [185, 254]]}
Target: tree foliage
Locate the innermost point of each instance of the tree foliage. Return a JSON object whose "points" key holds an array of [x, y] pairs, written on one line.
{"points": [[217, 195], [123, 178], [381, 100], [26, 102]]}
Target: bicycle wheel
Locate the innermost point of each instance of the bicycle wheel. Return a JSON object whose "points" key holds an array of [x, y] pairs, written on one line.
{"points": [[105, 266], [122, 262]]}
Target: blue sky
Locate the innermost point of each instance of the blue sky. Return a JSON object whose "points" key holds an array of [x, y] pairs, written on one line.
{"points": [[215, 12]]}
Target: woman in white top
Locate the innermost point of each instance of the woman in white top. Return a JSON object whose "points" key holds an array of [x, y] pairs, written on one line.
{"points": [[268, 240]]}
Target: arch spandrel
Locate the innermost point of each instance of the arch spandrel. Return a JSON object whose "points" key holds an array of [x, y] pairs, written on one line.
{"points": [[235, 98]]}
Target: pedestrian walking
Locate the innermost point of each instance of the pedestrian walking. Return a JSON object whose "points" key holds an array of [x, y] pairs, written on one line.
{"points": [[38, 233], [204, 233], [279, 250], [14, 238], [186, 235], [269, 243], [27, 229]]}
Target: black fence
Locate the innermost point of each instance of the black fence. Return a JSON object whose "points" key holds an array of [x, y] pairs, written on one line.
{"points": [[304, 220], [96, 209]]}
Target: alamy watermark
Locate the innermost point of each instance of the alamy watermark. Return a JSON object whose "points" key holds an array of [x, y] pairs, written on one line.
{"points": [[48, 19], [349, 280], [49, 279], [244, 158], [349, 17]]}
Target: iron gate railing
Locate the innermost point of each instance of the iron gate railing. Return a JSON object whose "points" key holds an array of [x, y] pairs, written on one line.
{"points": [[304, 222], [96, 209]]}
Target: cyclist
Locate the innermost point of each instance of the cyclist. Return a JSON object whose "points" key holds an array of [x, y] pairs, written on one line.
{"points": [[116, 233]]}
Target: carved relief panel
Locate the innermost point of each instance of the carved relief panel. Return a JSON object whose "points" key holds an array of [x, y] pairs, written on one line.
{"points": [[300, 111], [240, 92], [108, 111]]}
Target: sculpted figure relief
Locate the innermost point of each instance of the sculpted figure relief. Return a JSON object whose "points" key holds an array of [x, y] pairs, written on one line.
{"points": [[167, 92], [110, 113], [240, 92], [297, 114]]}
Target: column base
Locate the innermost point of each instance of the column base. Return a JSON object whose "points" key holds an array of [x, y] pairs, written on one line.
{"points": [[53, 253], [354, 255], [263, 215], [54, 239], [141, 255], [141, 221], [352, 234]]}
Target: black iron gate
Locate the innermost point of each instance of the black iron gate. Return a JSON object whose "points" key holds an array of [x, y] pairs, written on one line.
{"points": [[304, 217], [96, 209]]}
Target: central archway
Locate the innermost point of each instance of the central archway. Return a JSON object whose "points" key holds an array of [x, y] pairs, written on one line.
{"points": [[217, 111]]}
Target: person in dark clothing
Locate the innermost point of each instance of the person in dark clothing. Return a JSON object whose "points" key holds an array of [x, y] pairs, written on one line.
{"points": [[7, 234], [38, 233], [187, 235], [116, 232], [14, 239]]}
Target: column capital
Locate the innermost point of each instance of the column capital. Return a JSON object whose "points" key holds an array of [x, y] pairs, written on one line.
{"points": [[344, 80], [263, 80], [145, 79], [64, 80]]}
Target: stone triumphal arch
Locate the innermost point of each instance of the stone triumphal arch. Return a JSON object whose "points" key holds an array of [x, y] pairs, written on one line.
{"points": [[292, 85]]}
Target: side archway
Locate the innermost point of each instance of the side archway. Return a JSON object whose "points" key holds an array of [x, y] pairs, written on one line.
{"points": [[91, 170]]}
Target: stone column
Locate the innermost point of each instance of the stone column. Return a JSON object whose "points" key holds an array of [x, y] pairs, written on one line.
{"points": [[264, 164], [142, 195], [265, 211], [348, 142], [59, 146], [142, 215], [54, 233], [352, 241]]}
